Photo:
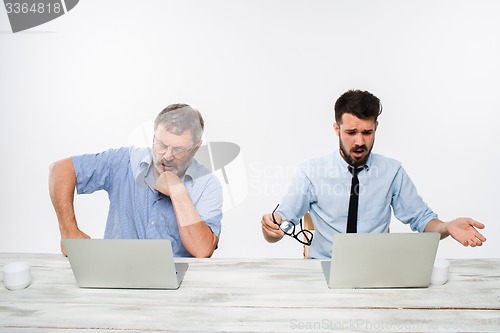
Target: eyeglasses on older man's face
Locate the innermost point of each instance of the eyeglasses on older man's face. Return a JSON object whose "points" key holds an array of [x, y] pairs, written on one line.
{"points": [[177, 152]]}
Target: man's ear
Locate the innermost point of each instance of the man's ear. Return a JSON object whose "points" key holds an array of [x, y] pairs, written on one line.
{"points": [[336, 127], [376, 125], [198, 145]]}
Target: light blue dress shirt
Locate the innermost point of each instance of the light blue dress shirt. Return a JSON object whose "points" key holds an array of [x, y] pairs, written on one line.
{"points": [[138, 211], [322, 187]]}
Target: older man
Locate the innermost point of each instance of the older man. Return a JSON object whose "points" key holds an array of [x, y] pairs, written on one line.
{"points": [[159, 192]]}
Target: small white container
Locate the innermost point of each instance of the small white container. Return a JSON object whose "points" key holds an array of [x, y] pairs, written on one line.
{"points": [[440, 272], [16, 275]]}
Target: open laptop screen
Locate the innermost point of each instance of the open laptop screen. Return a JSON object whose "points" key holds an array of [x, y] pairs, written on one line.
{"points": [[124, 263], [394, 260]]}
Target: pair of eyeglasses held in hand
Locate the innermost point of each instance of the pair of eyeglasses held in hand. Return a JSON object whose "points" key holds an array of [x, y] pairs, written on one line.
{"points": [[303, 236]]}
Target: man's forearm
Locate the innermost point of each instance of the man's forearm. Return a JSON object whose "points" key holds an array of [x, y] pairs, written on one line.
{"points": [[195, 234], [62, 182], [198, 239]]}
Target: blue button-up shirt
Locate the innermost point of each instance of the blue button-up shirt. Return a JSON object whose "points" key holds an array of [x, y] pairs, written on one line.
{"points": [[136, 210], [322, 187]]}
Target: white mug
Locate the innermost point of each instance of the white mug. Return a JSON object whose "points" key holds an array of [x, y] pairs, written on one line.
{"points": [[16, 275], [440, 272]]}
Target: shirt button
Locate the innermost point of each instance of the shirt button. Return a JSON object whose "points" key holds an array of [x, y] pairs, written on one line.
{"points": [[152, 222]]}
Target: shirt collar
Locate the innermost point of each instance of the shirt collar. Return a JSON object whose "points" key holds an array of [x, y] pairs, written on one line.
{"points": [[190, 174], [143, 169]]}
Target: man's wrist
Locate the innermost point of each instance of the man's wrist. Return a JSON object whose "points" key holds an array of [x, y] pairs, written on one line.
{"points": [[69, 231], [178, 191]]}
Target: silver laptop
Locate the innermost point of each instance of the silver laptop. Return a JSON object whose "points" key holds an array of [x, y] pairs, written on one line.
{"points": [[392, 260], [124, 263]]}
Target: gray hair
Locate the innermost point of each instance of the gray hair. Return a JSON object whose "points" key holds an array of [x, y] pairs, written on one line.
{"points": [[177, 118]]}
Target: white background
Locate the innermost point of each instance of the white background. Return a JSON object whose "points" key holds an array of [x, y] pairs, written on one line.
{"points": [[265, 75]]}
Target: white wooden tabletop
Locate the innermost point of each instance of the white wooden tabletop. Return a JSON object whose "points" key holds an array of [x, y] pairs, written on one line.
{"points": [[251, 295]]}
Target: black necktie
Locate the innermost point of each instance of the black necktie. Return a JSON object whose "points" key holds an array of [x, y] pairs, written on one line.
{"points": [[352, 216]]}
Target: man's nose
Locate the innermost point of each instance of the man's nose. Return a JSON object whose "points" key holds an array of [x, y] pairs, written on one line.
{"points": [[359, 140], [168, 155]]}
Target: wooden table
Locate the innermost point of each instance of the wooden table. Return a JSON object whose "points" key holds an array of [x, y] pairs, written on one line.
{"points": [[251, 295]]}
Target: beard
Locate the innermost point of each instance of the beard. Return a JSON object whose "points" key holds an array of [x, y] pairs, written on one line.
{"points": [[355, 162]]}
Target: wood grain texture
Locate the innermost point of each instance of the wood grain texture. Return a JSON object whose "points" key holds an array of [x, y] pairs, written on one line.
{"points": [[250, 295]]}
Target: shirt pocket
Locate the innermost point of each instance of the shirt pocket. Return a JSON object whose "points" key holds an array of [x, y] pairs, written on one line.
{"points": [[375, 215]]}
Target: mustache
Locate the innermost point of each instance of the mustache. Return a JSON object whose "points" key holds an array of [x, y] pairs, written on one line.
{"points": [[359, 148], [165, 163]]}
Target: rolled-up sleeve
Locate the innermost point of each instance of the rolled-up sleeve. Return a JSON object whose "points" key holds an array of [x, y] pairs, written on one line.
{"points": [[208, 202]]}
